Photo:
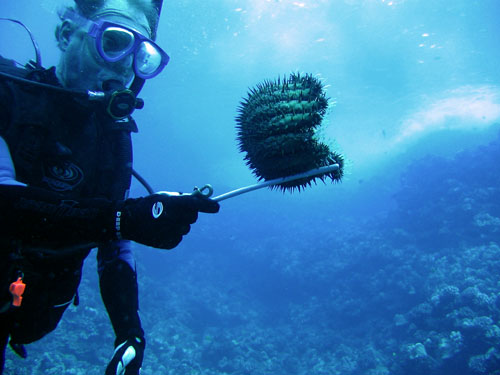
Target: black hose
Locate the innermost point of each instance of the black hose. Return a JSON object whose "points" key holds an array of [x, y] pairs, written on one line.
{"points": [[143, 182], [78, 93], [124, 169], [38, 61], [123, 166]]}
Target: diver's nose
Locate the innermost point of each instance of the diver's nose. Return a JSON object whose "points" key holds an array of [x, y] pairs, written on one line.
{"points": [[124, 67], [112, 84]]}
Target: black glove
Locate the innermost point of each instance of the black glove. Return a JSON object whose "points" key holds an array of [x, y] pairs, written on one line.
{"points": [[43, 218], [160, 220], [127, 358]]}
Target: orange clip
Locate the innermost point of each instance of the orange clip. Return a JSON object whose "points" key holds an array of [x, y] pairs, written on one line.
{"points": [[17, 290]]}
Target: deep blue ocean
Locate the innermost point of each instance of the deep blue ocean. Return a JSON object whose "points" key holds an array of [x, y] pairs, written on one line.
{"points": [[393, 271]]}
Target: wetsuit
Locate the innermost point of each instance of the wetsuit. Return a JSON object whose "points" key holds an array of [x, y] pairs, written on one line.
{"points": [[53, 144]]}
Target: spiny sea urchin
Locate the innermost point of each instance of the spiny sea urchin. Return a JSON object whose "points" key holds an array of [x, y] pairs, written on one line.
{"points": [[276, 126]]}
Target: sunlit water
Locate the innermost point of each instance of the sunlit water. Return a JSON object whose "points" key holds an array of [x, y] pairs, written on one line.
{"points": [[316, 282]]}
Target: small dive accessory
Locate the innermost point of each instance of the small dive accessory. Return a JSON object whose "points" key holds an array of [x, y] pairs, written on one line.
{"points": [[17, 289], [121, 102]]}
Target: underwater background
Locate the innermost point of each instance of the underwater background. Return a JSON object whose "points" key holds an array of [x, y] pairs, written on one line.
{"points": [[393, 271]]}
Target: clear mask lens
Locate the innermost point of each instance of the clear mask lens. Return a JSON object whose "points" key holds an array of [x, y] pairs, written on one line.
{"points": [[116, 42], [147, 59]]}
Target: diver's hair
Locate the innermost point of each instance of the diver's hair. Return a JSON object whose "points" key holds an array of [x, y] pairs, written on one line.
{"points": [[150, 8]]}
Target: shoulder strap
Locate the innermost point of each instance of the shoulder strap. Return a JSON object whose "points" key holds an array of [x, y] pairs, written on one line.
{"points": [[10, 67], [29, 72]]}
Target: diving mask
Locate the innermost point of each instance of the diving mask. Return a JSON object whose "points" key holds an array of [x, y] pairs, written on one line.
{"points": [[114, 42]]}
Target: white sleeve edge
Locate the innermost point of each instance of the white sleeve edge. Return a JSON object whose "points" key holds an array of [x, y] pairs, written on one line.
{"points": [[7, 172]]}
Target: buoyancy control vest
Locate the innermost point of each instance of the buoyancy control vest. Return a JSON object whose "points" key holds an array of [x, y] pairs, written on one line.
{"points": [[64, 144]]}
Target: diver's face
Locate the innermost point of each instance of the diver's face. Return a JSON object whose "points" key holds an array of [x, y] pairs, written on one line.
{"points": [[84, 68]]}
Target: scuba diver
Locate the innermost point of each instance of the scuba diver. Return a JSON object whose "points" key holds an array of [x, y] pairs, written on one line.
{"points": [[65, 173]]}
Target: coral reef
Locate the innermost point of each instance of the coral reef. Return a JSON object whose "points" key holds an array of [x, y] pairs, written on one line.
{"points": [[413, 291]]}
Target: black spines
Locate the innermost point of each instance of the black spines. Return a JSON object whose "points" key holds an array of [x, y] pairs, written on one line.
{"points": [[276, 128]]}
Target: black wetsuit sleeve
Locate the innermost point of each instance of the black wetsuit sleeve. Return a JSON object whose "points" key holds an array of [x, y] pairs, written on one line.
{"points": [[40, 218], [5, 107]]}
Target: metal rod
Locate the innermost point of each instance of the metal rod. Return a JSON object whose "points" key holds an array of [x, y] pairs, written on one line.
{"points": [[246, 189]]}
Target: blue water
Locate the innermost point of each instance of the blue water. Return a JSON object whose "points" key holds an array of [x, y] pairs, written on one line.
{"points": [[393, 271]]}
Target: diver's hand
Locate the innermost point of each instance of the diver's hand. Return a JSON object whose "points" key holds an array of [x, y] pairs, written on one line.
{"points": [[127, 358], [160, 220]]}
